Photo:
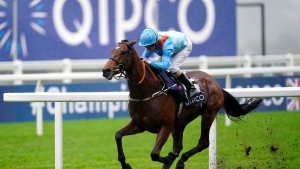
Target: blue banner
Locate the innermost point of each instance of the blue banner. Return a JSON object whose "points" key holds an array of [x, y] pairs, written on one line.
{"points": [[89, 29], [23, 111], [274, 103], [20, 112]]}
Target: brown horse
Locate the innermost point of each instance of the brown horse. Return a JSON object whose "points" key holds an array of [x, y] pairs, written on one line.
{"points": [[154, 110]]}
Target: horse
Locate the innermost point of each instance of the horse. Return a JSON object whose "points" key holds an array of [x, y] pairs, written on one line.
{"points": [[155, 110]]}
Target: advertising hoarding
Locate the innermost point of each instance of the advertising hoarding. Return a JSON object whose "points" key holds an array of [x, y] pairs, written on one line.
{"points": [[89, 29], [19, 112]]}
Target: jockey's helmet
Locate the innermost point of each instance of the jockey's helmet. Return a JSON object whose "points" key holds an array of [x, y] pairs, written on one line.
{"points": [[148, 37]]}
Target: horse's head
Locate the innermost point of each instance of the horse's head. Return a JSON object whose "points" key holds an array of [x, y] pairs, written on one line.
{"points": [[119, 59]]}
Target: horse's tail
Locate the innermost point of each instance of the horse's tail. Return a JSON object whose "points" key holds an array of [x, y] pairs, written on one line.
{"points": [[234, 110]]}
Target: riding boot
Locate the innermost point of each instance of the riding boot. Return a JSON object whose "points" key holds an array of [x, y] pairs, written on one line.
{"points": [[191, 90]]}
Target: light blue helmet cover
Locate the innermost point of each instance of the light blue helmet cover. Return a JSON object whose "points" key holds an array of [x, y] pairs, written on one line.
{"points": [[148, 37]]}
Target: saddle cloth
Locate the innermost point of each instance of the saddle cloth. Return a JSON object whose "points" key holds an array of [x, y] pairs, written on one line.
{"points": [[176, 88]]}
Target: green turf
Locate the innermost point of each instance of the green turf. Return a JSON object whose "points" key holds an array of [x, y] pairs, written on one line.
{"points": [[90, 144]]}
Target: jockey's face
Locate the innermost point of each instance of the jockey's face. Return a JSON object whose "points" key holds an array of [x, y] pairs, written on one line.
{"points": [[150, 48]]}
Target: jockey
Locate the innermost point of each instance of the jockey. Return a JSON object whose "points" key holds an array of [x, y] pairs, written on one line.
{"points": [[173, 47]]}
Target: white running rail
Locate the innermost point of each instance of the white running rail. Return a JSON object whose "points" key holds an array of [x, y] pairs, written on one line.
{"points": [[66, 65], [123, 96], [68, 76]]}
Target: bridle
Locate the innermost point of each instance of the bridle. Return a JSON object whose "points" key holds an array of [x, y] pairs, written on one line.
{"points": [[121, 70], [121, 66]]}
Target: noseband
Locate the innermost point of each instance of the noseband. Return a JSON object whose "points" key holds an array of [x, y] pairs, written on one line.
{"points": [[121, 66], [121, 70]]}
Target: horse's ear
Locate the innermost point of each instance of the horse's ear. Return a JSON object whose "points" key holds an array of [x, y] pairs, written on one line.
{"points": [[133, 42]]}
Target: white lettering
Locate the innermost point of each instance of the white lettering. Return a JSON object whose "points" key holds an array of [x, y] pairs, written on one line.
{"points": [[280, 99], [104, 106], [196, 99], [97, 107], [83, 30], [267, 101], [202, 35], [103, 22], [151, 15], [123, 87], [123, 25], [81, 107], [113, 107], [71, 107], [91, 107]]}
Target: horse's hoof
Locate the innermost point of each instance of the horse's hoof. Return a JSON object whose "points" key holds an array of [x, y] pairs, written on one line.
{"points": [[179, 166], [127, 167], [166, 166]]}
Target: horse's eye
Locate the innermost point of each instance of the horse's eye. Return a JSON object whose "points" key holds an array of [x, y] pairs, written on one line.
{"points": [[123, 53]]}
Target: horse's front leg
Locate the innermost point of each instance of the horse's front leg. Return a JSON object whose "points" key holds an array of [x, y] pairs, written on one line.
{"points": [[129, 129], [161, 139], [177, 146]]}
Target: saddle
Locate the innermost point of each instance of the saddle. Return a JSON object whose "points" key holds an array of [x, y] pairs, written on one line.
{"points": [[176, 88]]}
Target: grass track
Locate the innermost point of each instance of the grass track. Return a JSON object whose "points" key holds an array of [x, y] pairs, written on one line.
{"points": [[90, 144]]}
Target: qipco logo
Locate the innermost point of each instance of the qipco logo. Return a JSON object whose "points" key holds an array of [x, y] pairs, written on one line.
{"points": [[83, 29], [203, 34], [125, 20], [273, 101]]}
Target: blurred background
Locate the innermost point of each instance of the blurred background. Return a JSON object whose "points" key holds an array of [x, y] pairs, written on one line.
{"points": [[62, 46], [281, 31], [51, 30]]}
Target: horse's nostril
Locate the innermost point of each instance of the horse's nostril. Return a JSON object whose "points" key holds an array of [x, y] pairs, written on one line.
{"points": [[106, 72]]}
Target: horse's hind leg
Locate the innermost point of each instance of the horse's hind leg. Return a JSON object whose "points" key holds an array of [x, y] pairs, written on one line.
{"points": [[203, 143], [129, 129]]}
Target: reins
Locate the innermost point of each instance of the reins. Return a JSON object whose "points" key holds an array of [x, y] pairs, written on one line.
{"points": [[121, 68], [144, 74], [146, 66], [150, 70], [156, 94]]}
